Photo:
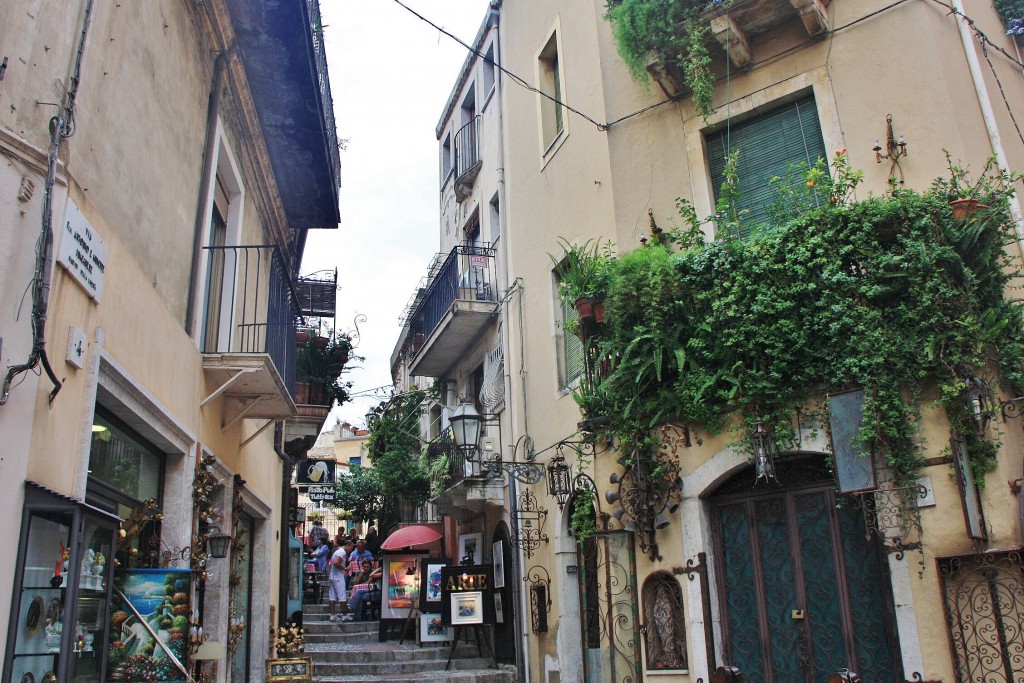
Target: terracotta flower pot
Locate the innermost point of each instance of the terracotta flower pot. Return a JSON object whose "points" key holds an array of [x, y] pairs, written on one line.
{"points": [[963, 208], [321, 342], [585, 309], [301, 337], [599, 312]]}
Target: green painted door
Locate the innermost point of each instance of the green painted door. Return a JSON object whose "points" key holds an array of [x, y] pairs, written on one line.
{"points": [[803, 591]]}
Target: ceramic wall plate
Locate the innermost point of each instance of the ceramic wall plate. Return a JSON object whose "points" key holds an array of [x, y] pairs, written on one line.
{"points": [[53, 611], [49, 677], [34, 616], [28, 678]]}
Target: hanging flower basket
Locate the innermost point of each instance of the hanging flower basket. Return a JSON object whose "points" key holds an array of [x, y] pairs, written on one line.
{"points": [[321, 342], [301, 337], [599, 312], [962, 208]]}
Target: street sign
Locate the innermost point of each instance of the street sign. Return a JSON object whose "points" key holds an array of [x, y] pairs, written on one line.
{"points": [[323, 494], [315, 472]]}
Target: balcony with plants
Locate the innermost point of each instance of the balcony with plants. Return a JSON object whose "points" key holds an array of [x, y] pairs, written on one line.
{"points": [[683, 45], [460, 486], [906, 295], [451, 307]]}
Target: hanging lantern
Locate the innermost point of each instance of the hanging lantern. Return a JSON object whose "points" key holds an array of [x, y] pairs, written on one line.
{"points": [[559, 480], [976, 396], [764, 453], [219, 543], [466, 423]]}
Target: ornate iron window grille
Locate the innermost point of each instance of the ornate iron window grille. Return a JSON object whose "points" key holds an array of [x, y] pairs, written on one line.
{"points": [[893, 516], [539, 583], [664, 626], [983, 599]]}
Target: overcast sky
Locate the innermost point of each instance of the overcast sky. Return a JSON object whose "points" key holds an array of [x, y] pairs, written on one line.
{"points": [[391, 74]]}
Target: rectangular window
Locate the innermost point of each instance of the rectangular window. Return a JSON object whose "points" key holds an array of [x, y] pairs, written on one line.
{"points": [[572, 346], [488, 71], [446, 157], [769, 145], [551, 85]]}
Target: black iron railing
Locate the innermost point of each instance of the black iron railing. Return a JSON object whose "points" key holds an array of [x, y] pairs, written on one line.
{"points": [[467, 147], [251, 306], [326, 101], [466, 274], [443, 446]]}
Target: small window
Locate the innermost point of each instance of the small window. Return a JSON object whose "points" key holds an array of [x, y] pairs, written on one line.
{"points": [[769, 145], [123, 461], [495, 218], [446, 157], [550, 77], [488, 71]]}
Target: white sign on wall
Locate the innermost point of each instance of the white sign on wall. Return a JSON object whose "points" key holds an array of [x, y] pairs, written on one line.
{"points": [[82, 252]]}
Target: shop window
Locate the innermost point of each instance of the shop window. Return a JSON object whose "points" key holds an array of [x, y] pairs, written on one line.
{"points": [[770, 145]]}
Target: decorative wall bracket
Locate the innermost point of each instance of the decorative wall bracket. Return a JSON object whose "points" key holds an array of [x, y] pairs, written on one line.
{"points": [[529, 527]]}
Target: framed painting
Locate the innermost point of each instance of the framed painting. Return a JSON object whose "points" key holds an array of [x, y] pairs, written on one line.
{"points": [[467, 608], [400, 587], [430, 583], [471, 545], [433, 630], [498, 560]]}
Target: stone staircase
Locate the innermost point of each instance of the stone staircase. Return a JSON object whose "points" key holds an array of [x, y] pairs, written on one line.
{"points": [[348, 652]]}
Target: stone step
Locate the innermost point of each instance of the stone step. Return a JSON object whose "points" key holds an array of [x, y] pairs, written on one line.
{"points": [[340, 626], [338, 653], [328, 638], [503, 675], [395, 668]]}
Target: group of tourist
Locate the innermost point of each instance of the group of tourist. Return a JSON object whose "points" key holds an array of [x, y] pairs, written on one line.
{"points": [[352, 571]]}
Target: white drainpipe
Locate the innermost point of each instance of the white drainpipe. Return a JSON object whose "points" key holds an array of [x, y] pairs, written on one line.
{"points": [[971, 51]]}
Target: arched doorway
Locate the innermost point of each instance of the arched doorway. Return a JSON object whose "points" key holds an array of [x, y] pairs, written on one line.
{"points": [[505, 636], [803, 592]]}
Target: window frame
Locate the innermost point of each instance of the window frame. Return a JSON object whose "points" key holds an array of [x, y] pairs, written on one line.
{"points": [[553, 124]]}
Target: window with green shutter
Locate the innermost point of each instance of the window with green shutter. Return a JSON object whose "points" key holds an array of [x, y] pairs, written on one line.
{"points": [[769, 145], [572, 348]]}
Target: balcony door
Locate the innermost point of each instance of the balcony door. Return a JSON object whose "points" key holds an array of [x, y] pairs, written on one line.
{"points": [[803, 592]]}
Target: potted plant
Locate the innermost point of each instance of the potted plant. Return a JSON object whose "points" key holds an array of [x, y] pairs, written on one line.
{"points": [[584, 274], [318, 368]]}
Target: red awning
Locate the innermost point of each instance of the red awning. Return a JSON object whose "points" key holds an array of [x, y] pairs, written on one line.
{"points": [[410, 535]]}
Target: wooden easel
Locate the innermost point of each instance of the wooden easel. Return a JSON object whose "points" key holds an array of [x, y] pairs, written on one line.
{"points": [[478, 630], [414, 609]]}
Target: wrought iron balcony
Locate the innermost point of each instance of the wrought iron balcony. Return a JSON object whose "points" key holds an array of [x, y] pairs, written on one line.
{"points": [[464, 488], [456, 303], [467, 158], [248, 331]]}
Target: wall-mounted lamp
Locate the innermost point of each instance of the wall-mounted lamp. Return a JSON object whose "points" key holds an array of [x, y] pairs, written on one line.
{"points": [[466, 426], [764, 453], [218, 542], [894, 149]]}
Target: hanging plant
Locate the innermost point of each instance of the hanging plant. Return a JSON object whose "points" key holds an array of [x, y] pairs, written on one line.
{"points": [[749, 327], [675, 33]]}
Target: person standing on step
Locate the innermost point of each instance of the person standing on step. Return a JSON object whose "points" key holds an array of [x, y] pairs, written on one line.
{"points": [[338, 578], [372, 541]]}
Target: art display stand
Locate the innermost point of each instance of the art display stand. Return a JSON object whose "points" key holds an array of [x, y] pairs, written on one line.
{"points": [[483, 641]]}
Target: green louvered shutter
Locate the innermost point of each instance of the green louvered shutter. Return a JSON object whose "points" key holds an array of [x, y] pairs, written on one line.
{"points": [[572, 347], [768, 146]]}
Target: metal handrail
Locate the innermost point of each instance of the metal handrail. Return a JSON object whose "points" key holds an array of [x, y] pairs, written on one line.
{"points": [[467, 147], [326, 100], [458, 274]]}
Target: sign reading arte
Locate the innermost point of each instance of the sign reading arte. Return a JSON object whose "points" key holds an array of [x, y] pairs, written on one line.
{"points": [[321, 493], [81, 252]]}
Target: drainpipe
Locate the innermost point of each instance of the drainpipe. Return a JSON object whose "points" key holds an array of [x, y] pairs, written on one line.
{"points": [[205, 179], [284, 561], [971, 51], [61, 127], [519, 596]]}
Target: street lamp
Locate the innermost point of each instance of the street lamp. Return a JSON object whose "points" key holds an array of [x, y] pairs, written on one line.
{"points": [[466, 424], [559, 480], [764, 453]]}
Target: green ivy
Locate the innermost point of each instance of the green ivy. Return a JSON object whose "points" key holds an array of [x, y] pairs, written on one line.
{"points": [[675, 32], [890, 294]]}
